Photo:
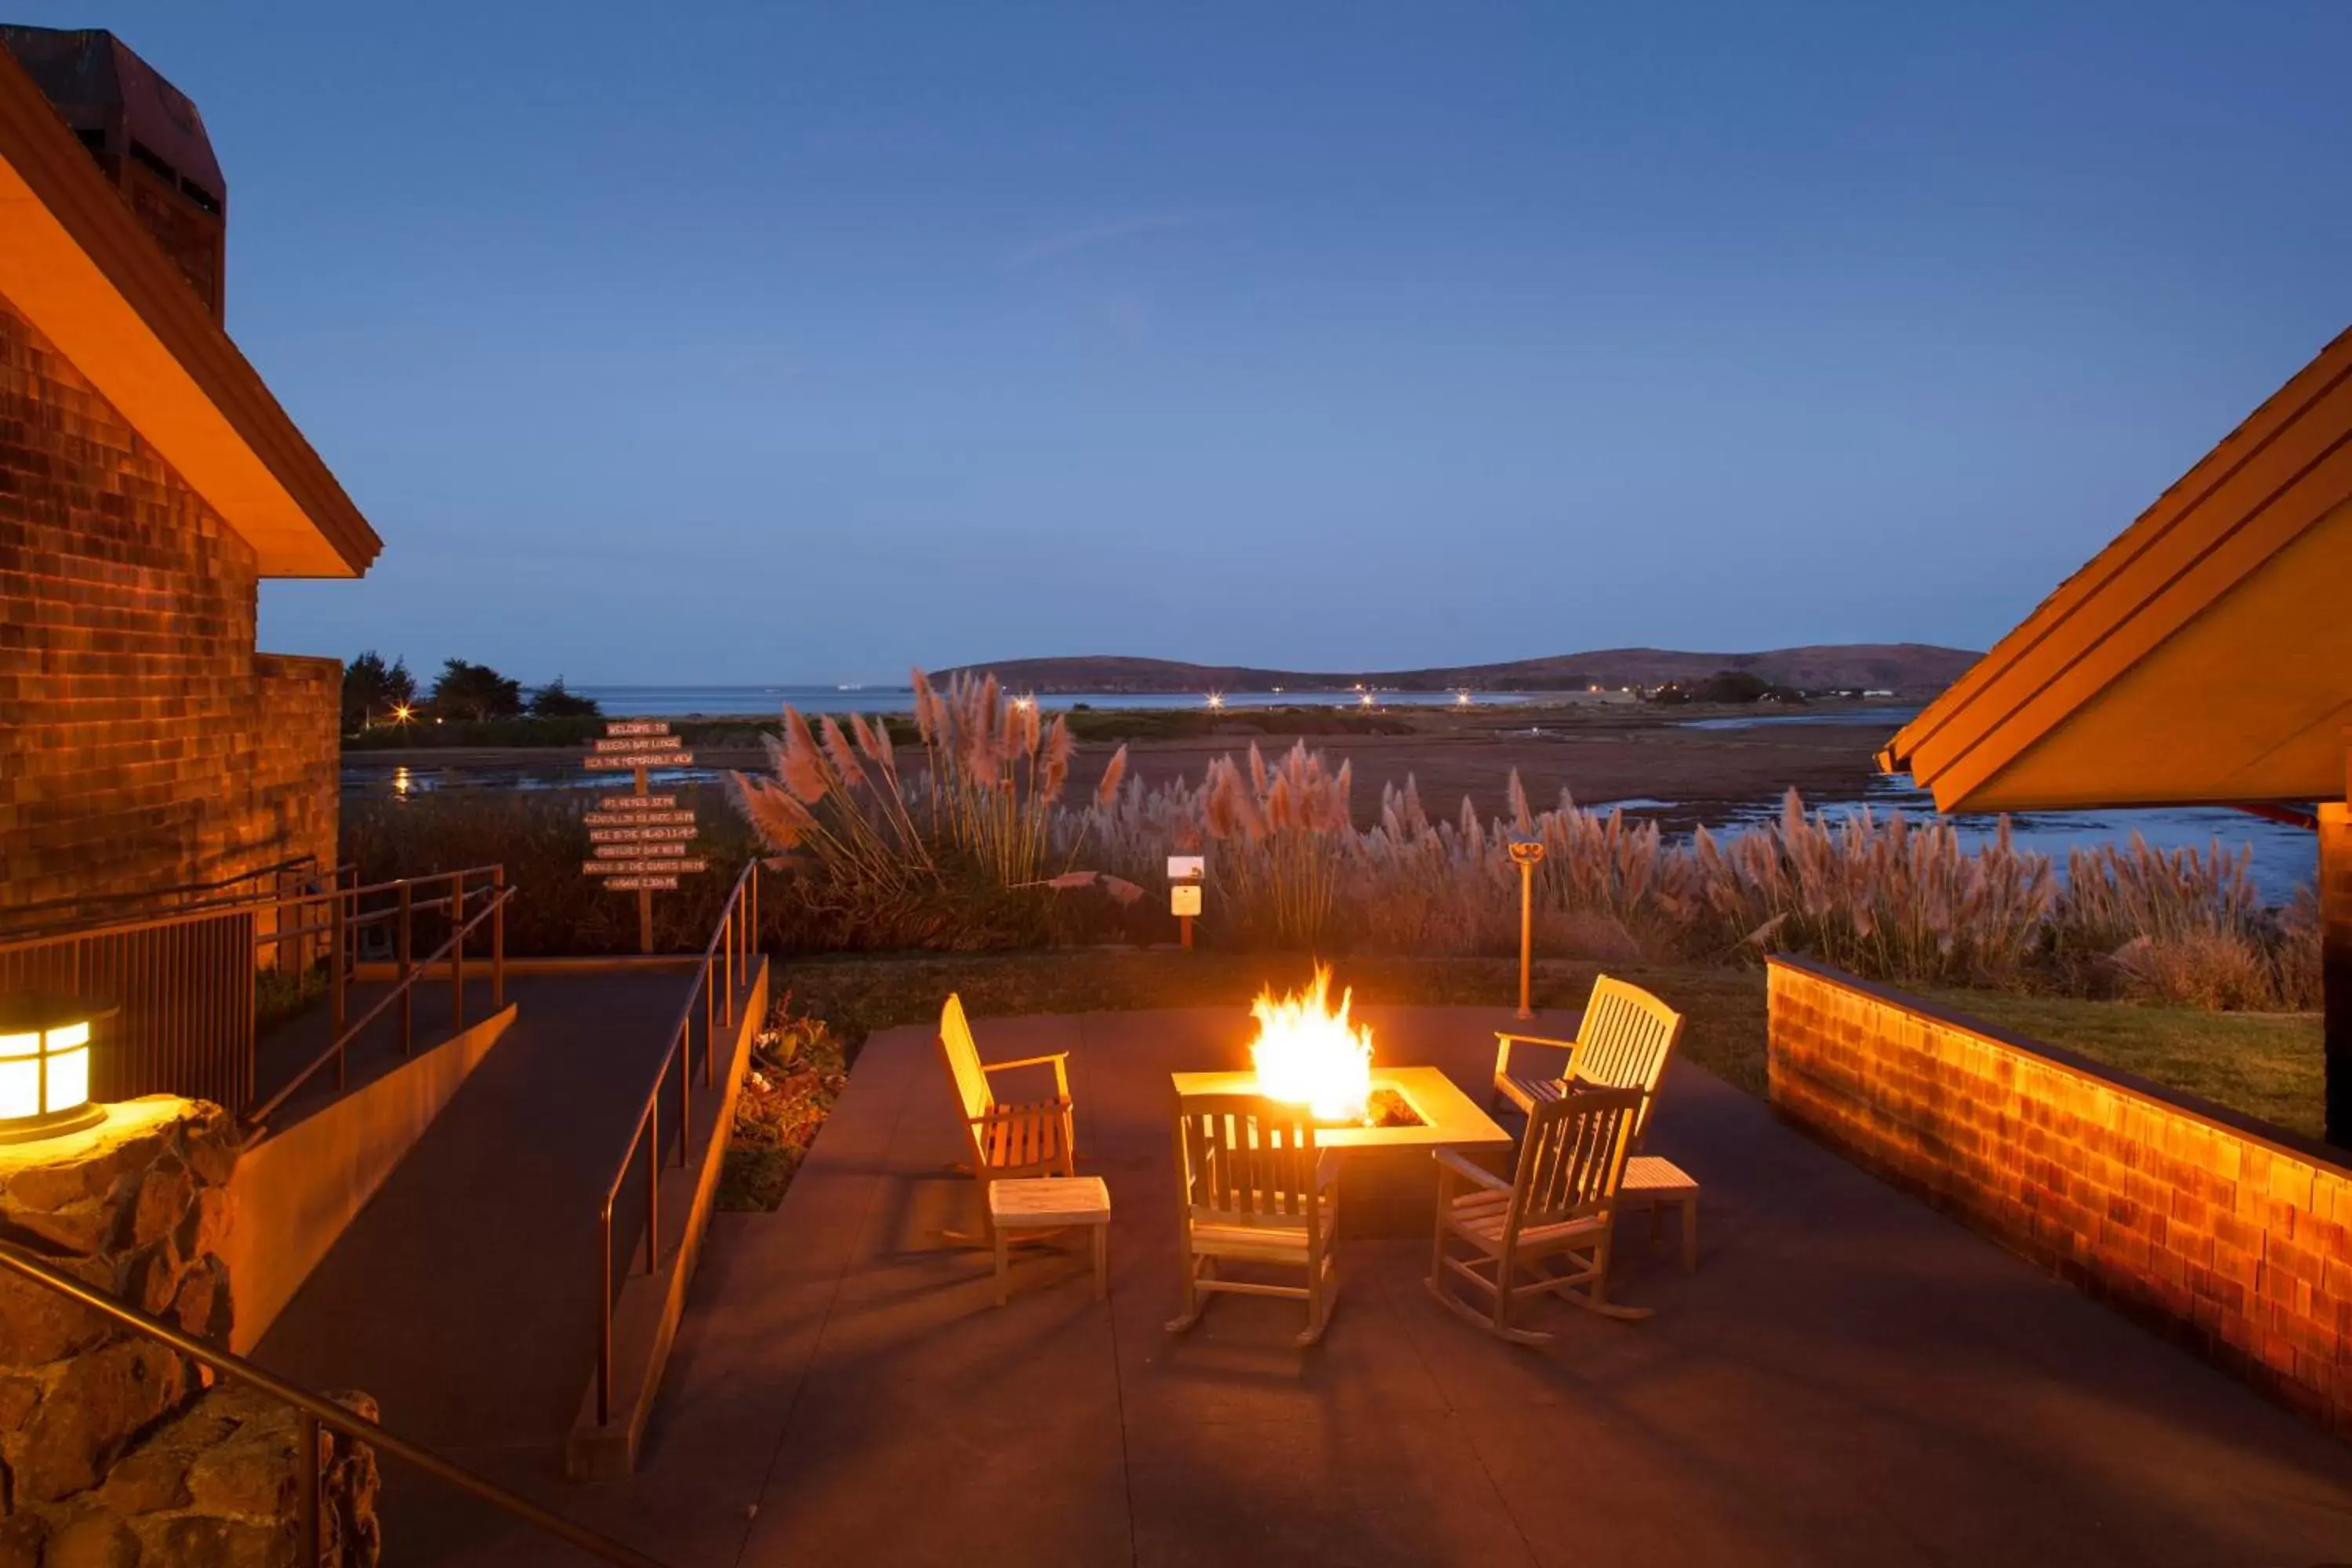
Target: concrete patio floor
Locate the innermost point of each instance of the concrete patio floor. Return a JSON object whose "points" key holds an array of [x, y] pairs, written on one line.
{"points": [[1848, 1378]]}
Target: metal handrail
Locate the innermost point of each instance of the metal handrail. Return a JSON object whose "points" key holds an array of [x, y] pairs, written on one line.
{"points": [[196, 1034], [337, 1051], [345, 915], [315, 1413], [737, 929], [158, 895]]}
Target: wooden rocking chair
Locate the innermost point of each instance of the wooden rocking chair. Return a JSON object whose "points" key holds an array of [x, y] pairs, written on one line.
{"points": [[1561, 1202], [1255, 1189], [1624, 1042], [1037, 1137]]}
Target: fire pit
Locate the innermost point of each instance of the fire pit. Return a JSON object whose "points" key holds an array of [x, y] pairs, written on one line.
{"points": [[1307, 1053], [1387, 1119]]}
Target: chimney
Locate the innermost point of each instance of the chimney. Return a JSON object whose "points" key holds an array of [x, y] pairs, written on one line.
{"points": [[146, 136]]}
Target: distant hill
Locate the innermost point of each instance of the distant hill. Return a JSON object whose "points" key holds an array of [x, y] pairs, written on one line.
{"points": [[1911, 669]]}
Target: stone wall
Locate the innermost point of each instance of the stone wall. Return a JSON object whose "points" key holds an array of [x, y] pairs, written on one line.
{"points": [[2232, 1235], [145, 747], [112, 1449]]}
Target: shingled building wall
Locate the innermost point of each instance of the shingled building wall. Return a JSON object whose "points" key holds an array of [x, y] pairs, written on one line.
{"points": [[143, 743], [2234, 1236]]}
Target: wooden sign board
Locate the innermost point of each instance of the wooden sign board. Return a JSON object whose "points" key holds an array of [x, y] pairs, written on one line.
{"points": [[1184, 900], [633, 759], [680, 832], [638, 842]]}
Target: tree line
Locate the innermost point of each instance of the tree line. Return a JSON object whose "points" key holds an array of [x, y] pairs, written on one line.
{"points": [[378, 693]]}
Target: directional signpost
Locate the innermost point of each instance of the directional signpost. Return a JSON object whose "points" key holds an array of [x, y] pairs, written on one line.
{"points": [[638, 842]]}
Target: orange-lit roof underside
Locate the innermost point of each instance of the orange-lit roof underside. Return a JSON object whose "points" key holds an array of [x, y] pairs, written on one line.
{"points": [[2205, 657], [75, 262]]}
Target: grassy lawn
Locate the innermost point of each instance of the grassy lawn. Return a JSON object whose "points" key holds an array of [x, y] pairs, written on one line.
{"points": [[2262, 1064], [2265, 1064]]}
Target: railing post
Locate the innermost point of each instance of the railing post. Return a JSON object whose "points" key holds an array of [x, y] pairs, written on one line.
{"points": [[338, 936], [686, 1080], [653, 1182], [407, 954], [306, 1505], [499, 938], [456, 951], [277, 890], [604, 1322]]}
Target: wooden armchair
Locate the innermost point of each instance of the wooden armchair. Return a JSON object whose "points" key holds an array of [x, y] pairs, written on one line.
{"points": [[1624, 1042], [1561, 1203], [1254, 1189], [1036, 1138]]}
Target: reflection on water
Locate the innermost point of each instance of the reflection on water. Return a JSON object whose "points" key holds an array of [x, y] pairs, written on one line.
{"points": [[361, 779], [766, 701], [1889, 719]]}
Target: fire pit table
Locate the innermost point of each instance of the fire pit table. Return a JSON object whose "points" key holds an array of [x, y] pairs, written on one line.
{"points": [[1387, 1184]]}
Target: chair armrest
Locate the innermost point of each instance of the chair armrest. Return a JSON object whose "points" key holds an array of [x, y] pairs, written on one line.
{"points": [[1028, 1112], [1459, 1164], [1058, 1061], [1504, 1041]]}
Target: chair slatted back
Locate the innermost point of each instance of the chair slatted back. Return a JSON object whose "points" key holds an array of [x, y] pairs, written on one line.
{"points": [[1624, 1042], [964, 1061], [1247, 1161], [1573, 1157]]}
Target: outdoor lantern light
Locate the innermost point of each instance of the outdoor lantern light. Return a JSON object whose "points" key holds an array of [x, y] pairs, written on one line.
{"points": [[45, 1066]]}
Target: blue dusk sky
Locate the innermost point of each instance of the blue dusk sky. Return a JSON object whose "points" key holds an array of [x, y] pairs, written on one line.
{"points": [[763, 343]]}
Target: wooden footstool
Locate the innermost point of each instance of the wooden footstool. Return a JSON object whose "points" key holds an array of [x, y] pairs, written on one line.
{"points": [[1051, 1203], [1649, 1179]]}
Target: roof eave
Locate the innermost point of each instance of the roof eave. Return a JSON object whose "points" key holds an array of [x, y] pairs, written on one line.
{"points": [[78, 264]]}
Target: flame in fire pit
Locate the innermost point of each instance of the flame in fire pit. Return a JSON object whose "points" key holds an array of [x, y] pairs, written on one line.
{"points": [[1306, 1054]]}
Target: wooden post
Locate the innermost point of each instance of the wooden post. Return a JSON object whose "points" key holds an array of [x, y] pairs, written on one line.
{"points": [[1185, 928], [1526, 853], [2335, 958], [1527, 936]]}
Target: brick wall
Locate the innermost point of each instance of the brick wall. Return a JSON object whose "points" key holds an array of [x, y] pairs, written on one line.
{"points": [[142, 742], [2225, 1232]]}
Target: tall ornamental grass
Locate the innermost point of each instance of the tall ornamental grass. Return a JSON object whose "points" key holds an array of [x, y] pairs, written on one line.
{"points": [[952, 849], [960, 847]]}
